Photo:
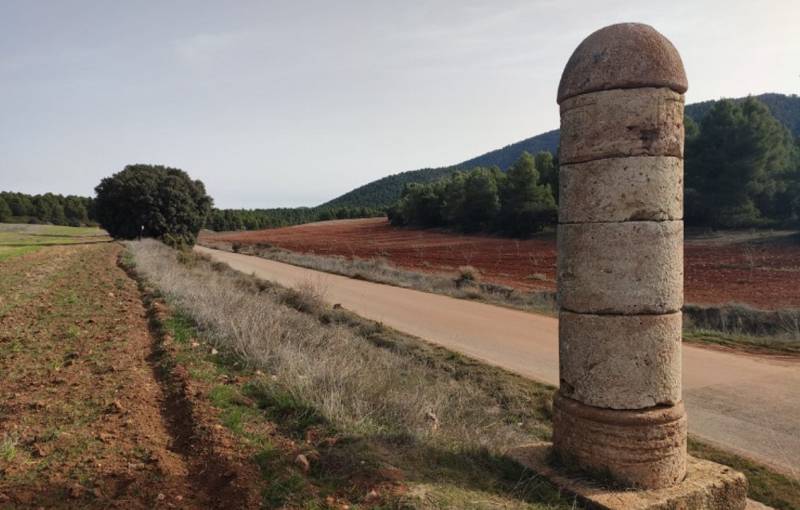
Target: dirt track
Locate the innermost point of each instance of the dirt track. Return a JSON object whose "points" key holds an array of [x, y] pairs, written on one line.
{"points": [[755, 268], [748, 404]]}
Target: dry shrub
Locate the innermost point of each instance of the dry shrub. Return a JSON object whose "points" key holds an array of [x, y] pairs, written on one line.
{"points": [[737, 318], [306, 298], [468, 275], [358, 386]]}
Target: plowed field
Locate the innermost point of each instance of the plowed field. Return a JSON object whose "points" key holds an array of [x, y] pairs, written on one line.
{"points": [[761, 270], [87, 418]]}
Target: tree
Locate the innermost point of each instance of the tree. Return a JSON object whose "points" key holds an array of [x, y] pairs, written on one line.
{"points": [[547, 167], [153, 201], [325, 215], [48, 209], [527, 206], [453, 197], [420, 204], [736, 165], [75, 211], [20, 204], [481, 199], [5, 210]]}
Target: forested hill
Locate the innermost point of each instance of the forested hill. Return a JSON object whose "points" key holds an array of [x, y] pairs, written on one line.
{"points": [[385, 191], [785, 108]]}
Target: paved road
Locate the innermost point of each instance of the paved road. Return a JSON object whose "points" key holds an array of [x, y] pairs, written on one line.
{"points": [[749, 404]]}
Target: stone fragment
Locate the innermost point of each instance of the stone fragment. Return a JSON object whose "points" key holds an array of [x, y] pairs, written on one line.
{"points": [[302, 462], [641, 448], [621, 123], [621, 189], [633, 267], [115, 407], [620, 361], [372, 497], [706, 485]]}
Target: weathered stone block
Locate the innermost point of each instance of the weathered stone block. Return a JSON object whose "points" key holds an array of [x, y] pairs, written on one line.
{"points": [[634, 267], [621, 123], [707, 485], [620, 361], [643, 448], [622, 56], [621, 189]]}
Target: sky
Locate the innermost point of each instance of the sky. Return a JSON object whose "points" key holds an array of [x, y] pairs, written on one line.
{"points": [[292, 103]]}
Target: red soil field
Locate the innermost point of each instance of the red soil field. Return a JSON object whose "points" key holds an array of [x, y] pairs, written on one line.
{"points": [[758, 269]]}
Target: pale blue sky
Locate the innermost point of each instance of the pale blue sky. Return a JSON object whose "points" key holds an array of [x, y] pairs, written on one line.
{"points": [[276, 103]]}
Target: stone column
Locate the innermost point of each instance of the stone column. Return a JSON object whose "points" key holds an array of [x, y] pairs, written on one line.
{"points": [[618, 410]]}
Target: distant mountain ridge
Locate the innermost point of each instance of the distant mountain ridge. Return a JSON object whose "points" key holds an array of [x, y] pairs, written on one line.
{"points": [[385, 191]]}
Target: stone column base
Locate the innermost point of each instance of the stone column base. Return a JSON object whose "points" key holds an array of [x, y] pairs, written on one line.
{"points": [[638, 448], [707, 485]]}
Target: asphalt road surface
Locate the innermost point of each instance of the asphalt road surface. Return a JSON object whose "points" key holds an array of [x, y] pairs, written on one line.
{"points": [[744, 403]]}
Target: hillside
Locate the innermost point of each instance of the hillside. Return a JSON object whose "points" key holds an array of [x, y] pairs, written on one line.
{"points": [[785, 108], [383, 192]]}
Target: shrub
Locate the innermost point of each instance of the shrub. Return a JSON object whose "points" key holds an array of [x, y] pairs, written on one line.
{"points": [[468, 275]]}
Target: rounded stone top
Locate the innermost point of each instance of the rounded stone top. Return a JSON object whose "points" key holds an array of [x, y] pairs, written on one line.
{"points": [[622, 56]]}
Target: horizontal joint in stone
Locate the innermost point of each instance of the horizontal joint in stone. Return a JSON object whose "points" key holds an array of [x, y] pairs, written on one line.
{"points": [[621, 123], [621, 189], [627, 268], [620, 361]]}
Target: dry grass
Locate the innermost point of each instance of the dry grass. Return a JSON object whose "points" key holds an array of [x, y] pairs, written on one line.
{"points": [[443, 417], [360, 387], [738, 325]]}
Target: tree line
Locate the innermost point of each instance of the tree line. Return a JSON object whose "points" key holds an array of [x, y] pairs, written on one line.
{"points": [[70, 210], [255, 219], [163, 202], [742, 169], [517, 202], [76, 211]]}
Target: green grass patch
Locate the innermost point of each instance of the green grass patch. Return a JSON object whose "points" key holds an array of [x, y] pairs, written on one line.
{"points": [[180, 327], [203, 373], [234, 409], [765, 485], [283, 487], [59, 230], [22, 239], [8, 449], [6, 252], [32, 236], [294, 415]]}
